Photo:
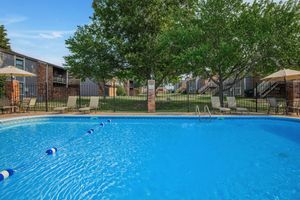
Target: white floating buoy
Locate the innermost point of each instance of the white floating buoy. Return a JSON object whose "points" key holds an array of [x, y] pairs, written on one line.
{"points": [[6, 173], [51, 151], [90, 131]]}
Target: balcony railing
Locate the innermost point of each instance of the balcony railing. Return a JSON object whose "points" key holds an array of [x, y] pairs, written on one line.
{"points": [[59, 80]]}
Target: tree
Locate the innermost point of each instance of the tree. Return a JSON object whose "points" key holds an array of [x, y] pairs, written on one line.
{"points": [[4, 41], [278, 27], [91, 56], [226, 40], [133, 29]]}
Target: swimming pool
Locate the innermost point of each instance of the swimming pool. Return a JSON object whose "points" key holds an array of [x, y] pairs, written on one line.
{"points": [[230, 158]]}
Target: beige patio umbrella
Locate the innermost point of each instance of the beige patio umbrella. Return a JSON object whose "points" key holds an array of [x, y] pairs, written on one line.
{"points": [[14, 71], [283, 75]]}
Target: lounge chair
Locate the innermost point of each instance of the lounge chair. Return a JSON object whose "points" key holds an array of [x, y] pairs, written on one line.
{"points": [[232, 105], [274, 104], [24, 103], [71, 104], [94, 102], [31, 104], [5, 105], [295, 107], [216, 105]]}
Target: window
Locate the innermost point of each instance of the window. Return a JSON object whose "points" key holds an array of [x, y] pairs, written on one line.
{"points": [[20, 63]]}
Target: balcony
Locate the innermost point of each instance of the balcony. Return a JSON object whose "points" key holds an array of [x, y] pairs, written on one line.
{"points": [[59, 80]]}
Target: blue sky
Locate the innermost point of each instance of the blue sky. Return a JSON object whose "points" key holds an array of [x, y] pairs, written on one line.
{"points": [[38, 28]]}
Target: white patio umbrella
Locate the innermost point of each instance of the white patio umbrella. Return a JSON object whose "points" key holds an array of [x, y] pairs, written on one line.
{"points": [[14, 71], [283, 75]]}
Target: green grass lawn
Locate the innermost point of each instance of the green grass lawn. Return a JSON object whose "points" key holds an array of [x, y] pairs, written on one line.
{"points": [[164, 103]]}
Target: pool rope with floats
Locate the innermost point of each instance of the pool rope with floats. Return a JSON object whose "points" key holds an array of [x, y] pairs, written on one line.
{"points": [[4, 174]]}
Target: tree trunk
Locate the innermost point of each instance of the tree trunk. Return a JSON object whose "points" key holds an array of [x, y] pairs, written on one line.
{"points": [[101, 85], [221, 91]]}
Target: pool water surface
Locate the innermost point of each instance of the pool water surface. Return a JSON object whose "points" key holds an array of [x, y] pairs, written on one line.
{"points": [[226, 158]]}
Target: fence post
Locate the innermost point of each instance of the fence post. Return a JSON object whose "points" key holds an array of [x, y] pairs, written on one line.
{"points": [[114, 91], [151, 96], [188, 95], [46, 95], [79, 96], [256, 97]]}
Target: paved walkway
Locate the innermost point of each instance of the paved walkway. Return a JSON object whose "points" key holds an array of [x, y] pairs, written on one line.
{"points": [[11, 115]]}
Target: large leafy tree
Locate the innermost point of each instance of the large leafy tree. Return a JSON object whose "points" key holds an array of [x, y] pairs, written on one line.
{"points": [[4, 41], [226, 40], [124, 40], [91, 56], [133, 30], [277, 28]]}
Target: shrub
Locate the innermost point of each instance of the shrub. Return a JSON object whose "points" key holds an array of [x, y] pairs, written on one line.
{"points": [[121, 91]]}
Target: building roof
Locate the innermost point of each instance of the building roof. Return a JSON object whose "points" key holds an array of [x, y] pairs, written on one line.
{"points": [[28, 57]]}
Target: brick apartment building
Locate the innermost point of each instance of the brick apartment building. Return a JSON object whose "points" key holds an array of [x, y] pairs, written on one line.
{"points": [[50, 80]]}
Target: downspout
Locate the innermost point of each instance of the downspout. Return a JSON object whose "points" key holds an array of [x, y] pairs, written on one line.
{"points": [[47, 94]]}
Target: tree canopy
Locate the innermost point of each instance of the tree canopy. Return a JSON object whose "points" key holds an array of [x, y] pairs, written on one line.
{"points": [[222, 40], [130, 30], [91, 56], [227, 40]]}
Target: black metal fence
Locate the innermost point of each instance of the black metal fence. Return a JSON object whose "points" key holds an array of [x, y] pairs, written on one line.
{"points": [[49, 98]]}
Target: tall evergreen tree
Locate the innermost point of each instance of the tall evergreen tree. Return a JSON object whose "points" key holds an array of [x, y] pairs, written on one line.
{"points": [[4, 41]]}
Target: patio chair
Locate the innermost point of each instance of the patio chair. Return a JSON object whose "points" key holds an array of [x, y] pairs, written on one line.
{"points": [[216, 105], [5, 105], [295, 107], [71, 104], [232, 105], [94, 103], [273, 104], [24, 103], [29, 105]]}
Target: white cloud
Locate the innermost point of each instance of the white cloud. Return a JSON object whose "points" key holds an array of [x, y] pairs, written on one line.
{"points": [[40, 34], [54, 34], [12, 19], [47, 45]]}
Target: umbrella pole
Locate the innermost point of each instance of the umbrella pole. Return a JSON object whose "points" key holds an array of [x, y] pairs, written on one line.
{"points": [[286, 96], [12, 90]]}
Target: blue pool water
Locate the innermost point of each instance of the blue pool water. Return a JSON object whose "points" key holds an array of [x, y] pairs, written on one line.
{"points": [[152, 158]]}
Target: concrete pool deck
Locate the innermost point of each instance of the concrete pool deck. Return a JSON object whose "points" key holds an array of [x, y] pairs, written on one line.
{"points": [[28, 114]]}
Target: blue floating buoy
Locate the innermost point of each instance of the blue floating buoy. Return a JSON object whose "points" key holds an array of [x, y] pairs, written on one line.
{"points": [[6, 173], [51, 151], [90, 131], [101, 124], [109, 120]]}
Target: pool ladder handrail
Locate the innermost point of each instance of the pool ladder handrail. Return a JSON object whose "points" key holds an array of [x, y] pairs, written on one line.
{"points": [[206, 109], [197, 111]]}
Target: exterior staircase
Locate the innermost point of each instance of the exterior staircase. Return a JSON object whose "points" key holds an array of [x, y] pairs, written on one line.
{"points": [[265, 87], [208, 86]]}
